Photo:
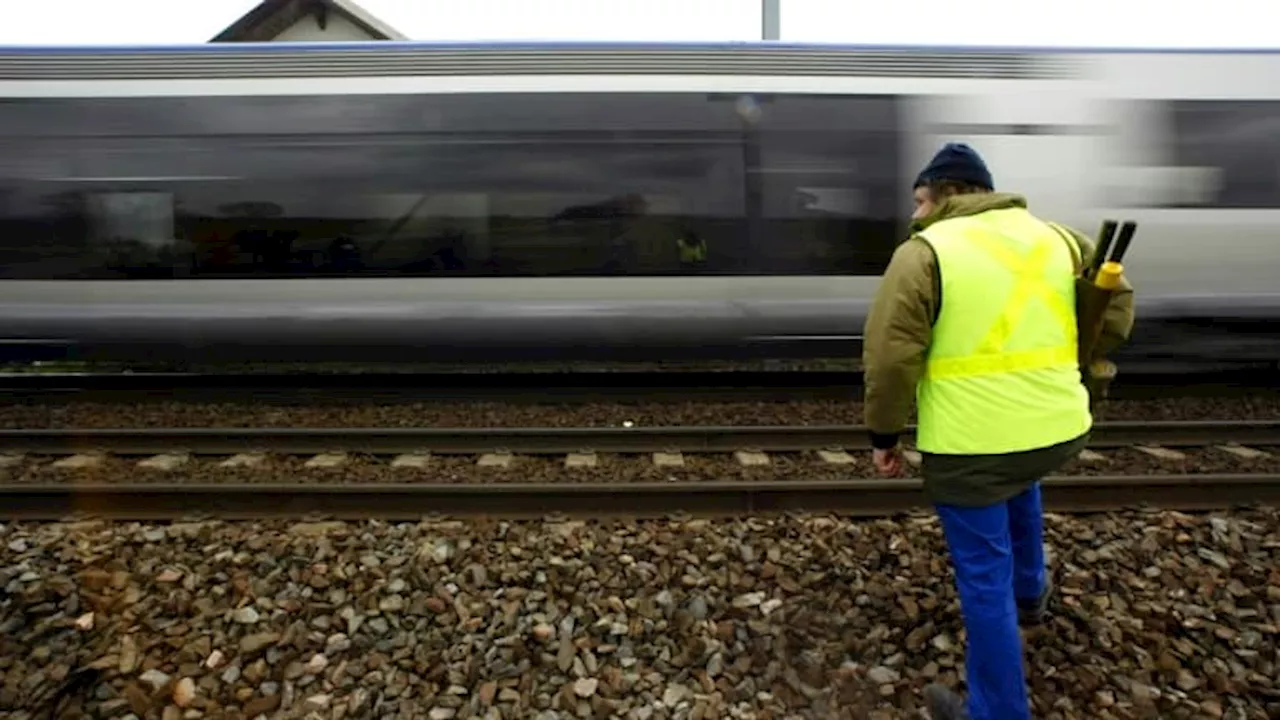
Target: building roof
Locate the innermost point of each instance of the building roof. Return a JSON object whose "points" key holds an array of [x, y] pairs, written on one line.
{"points": [[272, 17]]}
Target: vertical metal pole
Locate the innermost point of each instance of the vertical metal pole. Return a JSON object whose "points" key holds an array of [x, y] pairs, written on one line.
{"points": [[772, 20]]}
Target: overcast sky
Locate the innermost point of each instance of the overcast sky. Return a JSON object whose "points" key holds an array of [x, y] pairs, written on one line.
{"points": [[1129, 23]]}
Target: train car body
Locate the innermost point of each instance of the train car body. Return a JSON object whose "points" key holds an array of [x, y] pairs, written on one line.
{"points": [[415, 202]]}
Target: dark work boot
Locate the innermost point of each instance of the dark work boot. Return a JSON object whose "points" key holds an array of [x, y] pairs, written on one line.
{"points": [[944, 703], [1031, 612]]}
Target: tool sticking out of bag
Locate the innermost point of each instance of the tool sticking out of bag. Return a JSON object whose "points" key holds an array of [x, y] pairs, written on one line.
{"points": [[1094, 289], [1105, 272]]}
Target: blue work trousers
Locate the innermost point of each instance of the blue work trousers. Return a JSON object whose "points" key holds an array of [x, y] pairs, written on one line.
{"points": [[997, 552]]}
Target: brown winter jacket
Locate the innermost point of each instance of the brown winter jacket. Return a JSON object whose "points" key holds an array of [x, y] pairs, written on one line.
{"points": [[896, 341]]}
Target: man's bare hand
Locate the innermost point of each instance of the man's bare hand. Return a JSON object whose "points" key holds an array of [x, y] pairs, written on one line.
{"points": [[888, 462]]}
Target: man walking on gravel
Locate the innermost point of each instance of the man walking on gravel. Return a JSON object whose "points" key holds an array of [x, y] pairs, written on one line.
{"points": [[975, 317]]}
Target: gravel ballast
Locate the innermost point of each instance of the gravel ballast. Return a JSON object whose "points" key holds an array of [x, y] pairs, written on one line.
{"points": [[1158, 615], [106, 415]]}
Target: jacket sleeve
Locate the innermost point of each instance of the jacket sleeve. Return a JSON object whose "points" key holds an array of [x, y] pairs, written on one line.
{"points": [[1117, 321], [895, 340]]}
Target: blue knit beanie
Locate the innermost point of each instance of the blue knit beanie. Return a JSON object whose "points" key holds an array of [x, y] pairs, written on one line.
{"points": [[957, 162]]}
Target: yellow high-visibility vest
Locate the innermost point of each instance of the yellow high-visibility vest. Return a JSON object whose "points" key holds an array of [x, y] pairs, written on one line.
{"points": [[692, 250], [1001, 373]]}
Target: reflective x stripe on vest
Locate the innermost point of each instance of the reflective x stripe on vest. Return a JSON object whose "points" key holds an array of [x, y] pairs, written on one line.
{"points": [[694, 251], [1001, 373], [991, 354]]}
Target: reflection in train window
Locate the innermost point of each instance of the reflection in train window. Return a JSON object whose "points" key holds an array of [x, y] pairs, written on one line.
{"points": [[1240, 139], [454, 185]]}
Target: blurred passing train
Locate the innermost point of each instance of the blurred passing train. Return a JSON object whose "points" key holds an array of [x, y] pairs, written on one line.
{"points": [[406, 201]]}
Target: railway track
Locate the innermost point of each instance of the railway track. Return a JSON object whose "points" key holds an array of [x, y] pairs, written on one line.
{"points": [[170, 450], [552, 441], [288, 389], [408, 502]]}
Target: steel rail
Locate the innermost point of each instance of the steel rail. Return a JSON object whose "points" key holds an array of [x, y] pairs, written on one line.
{"points": [[859, 498], [554, 441], [537, 387]]}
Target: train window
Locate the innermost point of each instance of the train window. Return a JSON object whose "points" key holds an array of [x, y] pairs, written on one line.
{"points": [[538, 184], [1237, 139]]}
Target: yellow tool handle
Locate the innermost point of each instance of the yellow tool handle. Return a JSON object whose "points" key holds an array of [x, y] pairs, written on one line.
{"points": [[1108, 277]]}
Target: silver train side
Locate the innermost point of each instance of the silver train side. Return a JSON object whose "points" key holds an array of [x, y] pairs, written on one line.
{"points": [[401, 201]]}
